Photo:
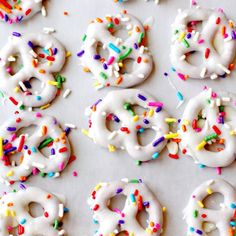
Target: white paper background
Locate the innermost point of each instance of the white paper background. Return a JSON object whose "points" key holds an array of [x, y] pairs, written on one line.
{"points": [[172, 181]]}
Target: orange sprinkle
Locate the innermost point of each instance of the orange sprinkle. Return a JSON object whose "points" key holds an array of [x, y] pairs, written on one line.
{"points": [[99, 20], [119, 80], [44, 130]]}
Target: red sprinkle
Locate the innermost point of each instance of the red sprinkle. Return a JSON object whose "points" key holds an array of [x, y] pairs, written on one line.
{"points": [[207, 53], [27, 12], [217, 131]]}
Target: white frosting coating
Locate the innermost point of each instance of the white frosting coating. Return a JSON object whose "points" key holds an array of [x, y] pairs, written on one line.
{"points": [[33, 67], [12, 12], [107, 71], [138, 198], [120, 1], [32, 158], [118, 106], [196, 214], [217, 31], [204, 123], [15, 213]]}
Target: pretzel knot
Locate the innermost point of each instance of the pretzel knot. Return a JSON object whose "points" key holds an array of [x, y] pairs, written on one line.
{"points": [[15, 213], [23, 153], [138, 199], [135, 112], [202, 220], [41, 56], [214, 43], [207, 128], [18, 11], [111, 70]]}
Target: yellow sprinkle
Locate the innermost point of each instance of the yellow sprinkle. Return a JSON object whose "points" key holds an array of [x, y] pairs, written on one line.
{"points": [[7, 212], [45, 106], [182, 35], [86, 69], [186, 122], [120, 64], [97, 187], [16, 89], [200, 204], [151, 113], [49, 63], [135, 118], [201, 145], [209, 191], [170, 120], [10, 173], [85, 132], [68, 54], [170, 136], [131, 234], [233, 132], [13, 213], [1, 147], [112, 234], [130, 33], [111, 148], [52, 82], [164, 209]]}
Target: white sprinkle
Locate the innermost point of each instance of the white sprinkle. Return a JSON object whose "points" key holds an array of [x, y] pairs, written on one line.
{"points": [[44, 11], [214, 76], [203, 72], [112, 135], [182, 58], [48, 30], [218, 102], [61, 232], [226, 99], [11, 58], [72, 126], [222, 67], [61, 210], [66, 93], [22, 85], [38, 165]]}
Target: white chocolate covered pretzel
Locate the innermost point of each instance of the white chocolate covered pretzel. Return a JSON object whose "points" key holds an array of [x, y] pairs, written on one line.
{"points": [[108, 71], [15, 213], [215, 42], [208, 128], [119, 107], [29, 147], [138, 198], [35, 65], [12, 11], [202, 220], [120, 1]]}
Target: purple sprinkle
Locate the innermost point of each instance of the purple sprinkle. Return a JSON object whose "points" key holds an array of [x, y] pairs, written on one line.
{"points": [[116, 118], [22, 186], [135, 46], [119, 190], [81, 53], [20, 18], [12, 149], [6, 17], [158, 109], [55, 50], [27, 84], [145, 121], [189, 36], [67, 130], [30, 44], [11, 129], [25, 147], [16, 34], [105, 67], [233, 34], [96, 103], [120, 222], [145, 204], [140, 96], [96, 57], [198, 231], [53, 152], [5, 141], [158, 141]]}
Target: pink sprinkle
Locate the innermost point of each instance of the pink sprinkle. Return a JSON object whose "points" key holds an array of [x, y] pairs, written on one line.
{"points": [[75, 173], [38, 114], [110, 61], [61, 166], [13, 137], [155, 104], [34, 171], [182, 76], [214, 95], [200, 41], [218, 170]]}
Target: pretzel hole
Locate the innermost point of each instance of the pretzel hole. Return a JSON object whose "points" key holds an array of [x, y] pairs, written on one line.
{"points": [[112, 123], [215, 147], [210, 229], [121, 32], [35, 209], [229, 114], [218, 42], [29, 130], [117, 203], [201, 119], [139, 110], [127, 66], [32, 86], [42, 54], [195, 25], [15, 159], [123, 233], [142, 218], [102, 52], [194, 58], [145, 137], [15, 64], [213, 201]]}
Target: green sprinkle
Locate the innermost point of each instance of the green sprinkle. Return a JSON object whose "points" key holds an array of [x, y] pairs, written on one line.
{"points": [[84, 37], [123, 56], [45, 143], [110, 25], [103, 75], [195, 214], [56, 224], [140, 38], [134, 181], [210, 137], [185, 42]]}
